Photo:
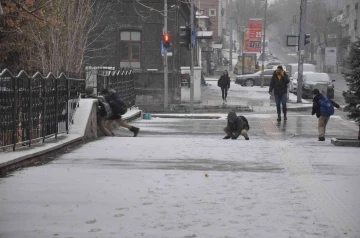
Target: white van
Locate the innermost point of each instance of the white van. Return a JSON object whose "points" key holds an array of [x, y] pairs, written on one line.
{"points": [[292, 68]]}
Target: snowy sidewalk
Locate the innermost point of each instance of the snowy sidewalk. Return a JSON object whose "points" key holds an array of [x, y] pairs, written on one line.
{"points": [[82, 127], [187, 187], [254, 98]]}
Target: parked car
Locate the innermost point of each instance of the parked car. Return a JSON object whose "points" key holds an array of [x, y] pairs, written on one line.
{"points": [[320, 81], [294, 81], [250, 80], [270, 65], [275, 67], [293, 68]]}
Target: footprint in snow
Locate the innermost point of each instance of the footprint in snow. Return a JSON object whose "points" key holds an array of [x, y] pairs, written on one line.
{"points": [[91, 221]]}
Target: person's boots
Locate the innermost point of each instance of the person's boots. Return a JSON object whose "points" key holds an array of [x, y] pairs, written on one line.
{"points": [[285, 117], [321, 138], [279, 118], [135, 130]]}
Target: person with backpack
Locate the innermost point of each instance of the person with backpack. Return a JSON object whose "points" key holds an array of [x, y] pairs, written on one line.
{"points": [[224, 84], [236, 126], [323, 108], [118, 108], [278, 83], [103, 110]]}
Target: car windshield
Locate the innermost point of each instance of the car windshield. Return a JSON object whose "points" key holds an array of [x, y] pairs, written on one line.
{"points": [[317, 78]]}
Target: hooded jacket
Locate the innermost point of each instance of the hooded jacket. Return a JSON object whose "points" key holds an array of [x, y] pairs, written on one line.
{"points": [[236, 124], [316, 105], [279, 85]]}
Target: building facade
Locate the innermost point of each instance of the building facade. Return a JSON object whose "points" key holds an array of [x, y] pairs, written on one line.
{"points": [[131, 31], [216, 12], [351, 16], [129, 36]]}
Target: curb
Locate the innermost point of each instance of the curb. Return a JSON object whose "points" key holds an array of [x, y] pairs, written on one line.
{"points": [[40, 157], [299, 109], [185, 117], [345, 142]]}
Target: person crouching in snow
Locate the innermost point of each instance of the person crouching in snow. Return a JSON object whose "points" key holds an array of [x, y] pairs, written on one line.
{"points": [[236, 126]]}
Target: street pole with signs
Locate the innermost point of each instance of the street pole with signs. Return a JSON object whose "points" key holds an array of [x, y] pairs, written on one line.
{"points": [[166, 75], [263, 47], [192, 57], [302, 31]]}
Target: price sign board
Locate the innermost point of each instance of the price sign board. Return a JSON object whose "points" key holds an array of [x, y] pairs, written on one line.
{"points": [[255, 34]]}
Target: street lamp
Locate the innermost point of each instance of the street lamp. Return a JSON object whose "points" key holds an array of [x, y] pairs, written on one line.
{"points": [[263, 47]]}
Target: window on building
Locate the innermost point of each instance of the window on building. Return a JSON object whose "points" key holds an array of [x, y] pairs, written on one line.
{"points": [[347, 9], [212, 12], [346, 30], [130, 45], [356, 6], [355, 24]]}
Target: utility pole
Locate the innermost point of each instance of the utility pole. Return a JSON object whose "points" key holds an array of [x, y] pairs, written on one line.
{"points": [[166, 82], [192, 57], [263, 47], [302, 33], [338, 32], [231, 33]]}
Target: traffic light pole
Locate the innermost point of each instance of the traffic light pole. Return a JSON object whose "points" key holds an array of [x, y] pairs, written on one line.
{"points": [[231, 33], [263, 47], [302, 31], [166, 82], [192, 58]]}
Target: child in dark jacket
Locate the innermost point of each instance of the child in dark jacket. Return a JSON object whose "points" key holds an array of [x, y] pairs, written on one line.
{"points": [[323, 120], [236, 126]]}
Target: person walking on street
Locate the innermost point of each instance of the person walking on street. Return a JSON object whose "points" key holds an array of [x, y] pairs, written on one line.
{"points": [[278, 83], [236, 126], [119, 108], [224, 84], [212, 68], [323, 108]]}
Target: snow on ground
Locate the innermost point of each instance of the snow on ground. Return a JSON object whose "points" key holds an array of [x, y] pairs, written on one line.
{"points": [[256, 93], [187, 187]]}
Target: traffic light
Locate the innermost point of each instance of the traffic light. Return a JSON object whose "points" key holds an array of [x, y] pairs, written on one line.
{"points": [[185, 36], [307, 39], [167, 40]]}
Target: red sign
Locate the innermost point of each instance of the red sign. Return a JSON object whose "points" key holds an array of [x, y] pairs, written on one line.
{"points": [[255, 33], [246, 41]]}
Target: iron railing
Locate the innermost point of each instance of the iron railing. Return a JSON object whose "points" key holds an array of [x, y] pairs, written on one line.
{"points": [[122, 81], [33, 108]]}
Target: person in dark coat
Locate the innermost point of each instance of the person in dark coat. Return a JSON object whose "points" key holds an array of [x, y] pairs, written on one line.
{"points": [[236, 126], [278, 83], [103, 110], [323, 120], [224, 84], [116, 116]]}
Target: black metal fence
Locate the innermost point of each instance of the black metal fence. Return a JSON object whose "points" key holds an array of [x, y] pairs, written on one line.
{"points": [[35, 108], [122, 81]]}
